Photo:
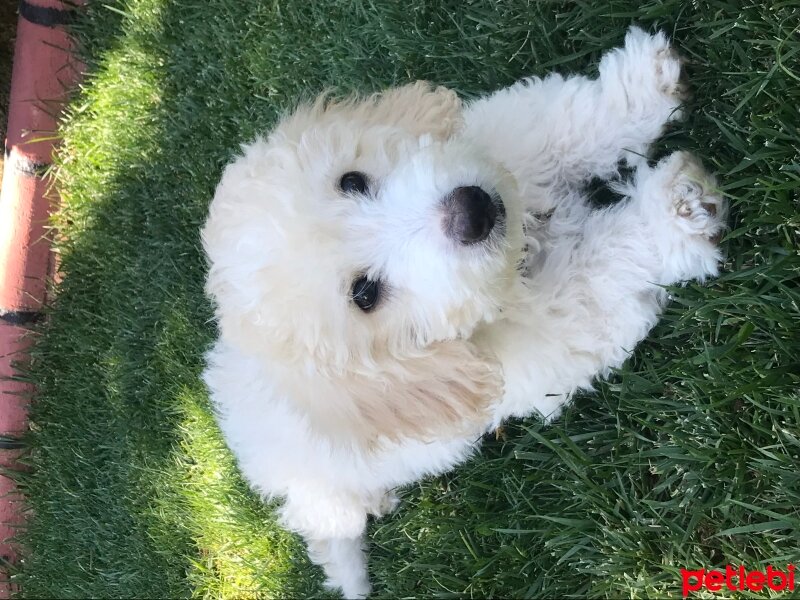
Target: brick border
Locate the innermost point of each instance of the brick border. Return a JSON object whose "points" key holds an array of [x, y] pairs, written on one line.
{"points": [[43, 73]]}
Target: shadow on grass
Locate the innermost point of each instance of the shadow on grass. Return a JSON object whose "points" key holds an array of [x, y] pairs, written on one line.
{"points": [[133, 492]]}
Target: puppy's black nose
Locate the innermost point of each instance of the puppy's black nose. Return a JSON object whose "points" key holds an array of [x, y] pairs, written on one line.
{"points": [[470, 215]]}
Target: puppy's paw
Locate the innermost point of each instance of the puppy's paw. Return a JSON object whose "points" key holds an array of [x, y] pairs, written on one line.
{"points": [[389, 503], [686, 217], [694, 202], [384, 504], [648, 72], [658, 61]]}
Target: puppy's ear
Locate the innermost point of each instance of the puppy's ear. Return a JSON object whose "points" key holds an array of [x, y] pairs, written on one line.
{"points": [[444, 392], [420, 109], [417, 108]]}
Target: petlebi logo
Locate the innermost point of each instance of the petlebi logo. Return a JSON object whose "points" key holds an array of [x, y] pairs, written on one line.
{"points": [[738, 579]]}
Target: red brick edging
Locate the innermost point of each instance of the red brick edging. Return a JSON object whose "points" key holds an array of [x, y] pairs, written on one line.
{"points": [[44, 71]]}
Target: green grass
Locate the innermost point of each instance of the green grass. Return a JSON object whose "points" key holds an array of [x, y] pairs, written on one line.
{"points": [[688, 457]]}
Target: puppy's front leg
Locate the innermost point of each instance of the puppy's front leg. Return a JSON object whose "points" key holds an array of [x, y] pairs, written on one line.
{"points": [[599, 291], [558, 130]]}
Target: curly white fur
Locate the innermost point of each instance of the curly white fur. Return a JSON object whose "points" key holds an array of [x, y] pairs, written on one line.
{"points": [[329, 407]]}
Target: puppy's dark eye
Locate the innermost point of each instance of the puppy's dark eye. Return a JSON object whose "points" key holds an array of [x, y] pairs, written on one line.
{"points": [[353, 182], [365, 293]]}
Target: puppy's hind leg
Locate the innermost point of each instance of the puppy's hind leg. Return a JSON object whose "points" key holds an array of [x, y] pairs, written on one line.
{"points": [[600, 291]]}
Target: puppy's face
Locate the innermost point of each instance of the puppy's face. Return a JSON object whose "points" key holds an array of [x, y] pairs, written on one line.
{"points": [[363, 234]]}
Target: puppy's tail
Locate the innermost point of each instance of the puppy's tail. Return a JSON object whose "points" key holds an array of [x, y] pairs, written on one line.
{"points": [[344, 563]]}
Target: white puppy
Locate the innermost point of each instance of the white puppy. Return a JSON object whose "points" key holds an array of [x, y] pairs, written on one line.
{"points": [[395, 276]]}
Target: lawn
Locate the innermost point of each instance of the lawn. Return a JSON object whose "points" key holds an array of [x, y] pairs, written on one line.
{"points": [[687, 457]]}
